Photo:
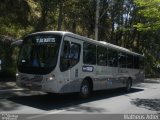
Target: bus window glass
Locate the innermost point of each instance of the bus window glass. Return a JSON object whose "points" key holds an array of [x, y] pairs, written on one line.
{"points": [[112, 58], [70, 55], [89, 53], [39, 54], [136, 62], [102, 56], [64, 60], [122, 60], [129, 61], [74, 53]]}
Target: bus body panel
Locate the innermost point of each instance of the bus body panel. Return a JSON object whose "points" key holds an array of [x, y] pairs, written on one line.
{"points": [[70, 80]]}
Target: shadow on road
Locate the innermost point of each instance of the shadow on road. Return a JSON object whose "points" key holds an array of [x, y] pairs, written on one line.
{"points": [[58, 102], [150, 104]]}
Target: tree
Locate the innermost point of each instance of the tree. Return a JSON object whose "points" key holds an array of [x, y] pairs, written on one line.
{"points": [[150, 10], [148, 27], [133, 24], [14, 17]]}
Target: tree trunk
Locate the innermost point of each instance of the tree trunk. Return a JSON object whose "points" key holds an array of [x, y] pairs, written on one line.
{"points": [[60, 18]]}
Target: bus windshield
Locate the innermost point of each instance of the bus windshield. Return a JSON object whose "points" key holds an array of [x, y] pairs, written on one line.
{"points": [[38, 54]]}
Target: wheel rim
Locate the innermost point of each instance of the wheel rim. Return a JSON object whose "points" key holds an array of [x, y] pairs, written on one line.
{"points": [[85, 90]]}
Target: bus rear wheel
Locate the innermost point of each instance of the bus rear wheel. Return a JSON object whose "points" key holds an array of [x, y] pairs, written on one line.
{"points": [[85, 89]]}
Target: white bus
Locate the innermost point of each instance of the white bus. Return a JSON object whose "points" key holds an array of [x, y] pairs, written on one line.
{"points": [[64, 62]]}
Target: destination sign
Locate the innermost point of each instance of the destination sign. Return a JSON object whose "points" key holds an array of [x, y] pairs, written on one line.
{"points": [[45, 40]]}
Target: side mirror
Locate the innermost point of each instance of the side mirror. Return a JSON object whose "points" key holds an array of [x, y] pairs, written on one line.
{"points": [[16, 43]]}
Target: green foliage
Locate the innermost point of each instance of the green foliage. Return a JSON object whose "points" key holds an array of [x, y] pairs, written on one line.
{"points": [[134, 24], [150, 10], [148, 25], [14, 19]]}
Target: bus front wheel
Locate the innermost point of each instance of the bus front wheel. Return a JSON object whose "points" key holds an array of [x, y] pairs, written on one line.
{"points": [[85, 89]]}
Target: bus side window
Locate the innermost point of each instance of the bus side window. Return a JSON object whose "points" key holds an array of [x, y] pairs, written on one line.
{"points": [[64, 59], [101, 56], [70, 55], [89, 53], [122, 60], [130, 61], [136, 62], [112, 58], [74, 54]]}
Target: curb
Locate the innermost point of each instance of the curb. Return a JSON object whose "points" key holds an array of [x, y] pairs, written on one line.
{"points": [[151, 81]]}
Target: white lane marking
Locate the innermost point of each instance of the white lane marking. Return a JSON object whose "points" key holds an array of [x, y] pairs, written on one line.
{"points": [[37, 116]]}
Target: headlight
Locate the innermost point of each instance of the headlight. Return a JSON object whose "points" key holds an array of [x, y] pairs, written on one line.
{"points": [[17, 74], [50, 78]]}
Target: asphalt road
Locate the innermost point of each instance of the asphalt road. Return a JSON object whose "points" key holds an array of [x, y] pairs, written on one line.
{"points": [[112, 104]]}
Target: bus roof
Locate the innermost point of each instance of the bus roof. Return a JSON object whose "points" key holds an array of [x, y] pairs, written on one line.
{"points": [[103, 43]]}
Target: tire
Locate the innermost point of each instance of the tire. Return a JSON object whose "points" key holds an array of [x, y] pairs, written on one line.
{"points": [[128, 85], [85, 89]]}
